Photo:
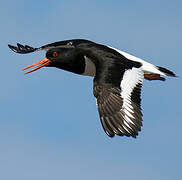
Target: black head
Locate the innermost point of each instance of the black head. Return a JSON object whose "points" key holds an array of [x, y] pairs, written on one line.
{"points": [[65, 55], [69, 59], [60, 55]]}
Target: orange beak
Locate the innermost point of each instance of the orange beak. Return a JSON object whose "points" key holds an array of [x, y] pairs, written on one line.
{"points": [[43, 62]]}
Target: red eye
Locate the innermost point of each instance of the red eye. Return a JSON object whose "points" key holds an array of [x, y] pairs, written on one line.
{"points": [[55, 54]]}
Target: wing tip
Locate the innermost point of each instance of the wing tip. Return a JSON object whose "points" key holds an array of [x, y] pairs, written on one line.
{"points": [[131, 135], [13, 48], [22, 49]]}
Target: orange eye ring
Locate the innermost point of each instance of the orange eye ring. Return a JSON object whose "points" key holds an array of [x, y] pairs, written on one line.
{"points": [[55, 54]]}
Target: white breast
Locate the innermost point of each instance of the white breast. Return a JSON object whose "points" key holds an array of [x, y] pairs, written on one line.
{"points": [[90, 69]]}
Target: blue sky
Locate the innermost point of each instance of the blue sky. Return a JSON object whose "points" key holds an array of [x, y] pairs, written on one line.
{"points": [[49, 125]]}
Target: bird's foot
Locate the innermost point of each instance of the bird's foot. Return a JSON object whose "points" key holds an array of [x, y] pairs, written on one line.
{"points": [[153, 77]]}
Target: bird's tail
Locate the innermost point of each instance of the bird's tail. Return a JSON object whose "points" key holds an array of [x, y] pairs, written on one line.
{"points": [[166, 71], [156, 72]]}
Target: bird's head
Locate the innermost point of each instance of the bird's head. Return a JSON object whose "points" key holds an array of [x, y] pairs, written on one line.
{"points": [[63, 58], [68, 55]]}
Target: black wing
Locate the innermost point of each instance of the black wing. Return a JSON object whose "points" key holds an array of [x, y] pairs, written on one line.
{"points": [[117, 87], [119, 115], [24, 49]]}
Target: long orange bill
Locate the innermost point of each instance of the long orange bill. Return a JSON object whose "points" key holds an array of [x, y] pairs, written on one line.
{"points": [[43, 62]]}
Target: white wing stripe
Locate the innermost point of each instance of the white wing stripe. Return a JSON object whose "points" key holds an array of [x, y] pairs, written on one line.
{"points": [[130, 79], [128, 113], [129, 120], [126, 124]]}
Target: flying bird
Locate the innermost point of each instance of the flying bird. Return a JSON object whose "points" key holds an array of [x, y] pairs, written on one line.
{"points": [[118, 78]]}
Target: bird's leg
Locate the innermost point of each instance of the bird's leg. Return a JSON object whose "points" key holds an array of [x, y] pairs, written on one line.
{"points": [[153, 77]]}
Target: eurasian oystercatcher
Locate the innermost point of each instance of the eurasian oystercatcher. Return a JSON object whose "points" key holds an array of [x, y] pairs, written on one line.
{"points": [[118, 78]]}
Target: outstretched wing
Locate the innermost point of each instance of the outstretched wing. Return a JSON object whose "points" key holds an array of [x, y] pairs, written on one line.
{"points": [[120, 107], [24, 49]]}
